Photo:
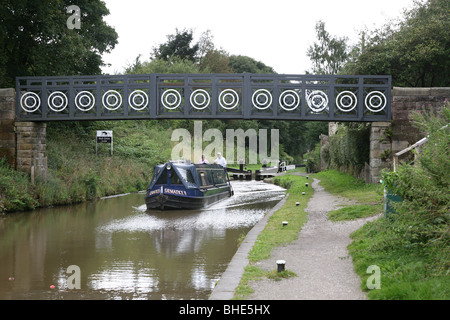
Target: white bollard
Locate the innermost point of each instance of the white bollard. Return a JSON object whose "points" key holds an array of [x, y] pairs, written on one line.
{"points": [[281, 265]]}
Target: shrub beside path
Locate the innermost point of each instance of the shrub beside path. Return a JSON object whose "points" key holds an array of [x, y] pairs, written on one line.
{"points": [[319, 257]]}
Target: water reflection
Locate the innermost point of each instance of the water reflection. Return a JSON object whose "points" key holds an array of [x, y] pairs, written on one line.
{"points": [[124, 251]]}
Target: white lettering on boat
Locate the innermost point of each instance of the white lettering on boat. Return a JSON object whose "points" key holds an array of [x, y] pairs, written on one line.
{"points": [[157, 191], [174, 191]]}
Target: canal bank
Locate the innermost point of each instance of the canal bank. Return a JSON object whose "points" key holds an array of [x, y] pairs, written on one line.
{"points": [[319, 258]]}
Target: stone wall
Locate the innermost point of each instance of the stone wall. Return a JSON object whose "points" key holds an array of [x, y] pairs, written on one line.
{"points": [[407, 100]]}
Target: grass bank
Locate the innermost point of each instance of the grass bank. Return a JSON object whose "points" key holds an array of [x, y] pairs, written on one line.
{"points": [[274, 234], [409, 270]]}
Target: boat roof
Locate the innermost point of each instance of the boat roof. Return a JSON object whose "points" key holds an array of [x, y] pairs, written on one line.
{"points": [[159, 169]]}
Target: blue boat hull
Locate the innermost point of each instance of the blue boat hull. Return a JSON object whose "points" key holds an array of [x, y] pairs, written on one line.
{"points": [[163, 201]]}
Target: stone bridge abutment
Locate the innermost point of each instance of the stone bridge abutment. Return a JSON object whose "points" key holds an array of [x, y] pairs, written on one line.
{"points": [[23, 144]]}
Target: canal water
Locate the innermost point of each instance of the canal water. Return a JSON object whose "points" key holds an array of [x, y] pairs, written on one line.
{"points": [[115, 249]]}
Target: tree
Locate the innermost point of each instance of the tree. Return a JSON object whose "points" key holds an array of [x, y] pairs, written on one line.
{"points": [[177, 45], [210, 59], [35, 39], [215, 61], [173, 65], [329, 54], [243, 64], [414, 50]]}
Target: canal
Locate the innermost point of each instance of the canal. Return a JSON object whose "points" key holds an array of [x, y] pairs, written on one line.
{"points": [[123, 251]]}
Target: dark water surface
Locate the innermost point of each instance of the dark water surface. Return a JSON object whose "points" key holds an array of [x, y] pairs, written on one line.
{"points": [[123, 251]]}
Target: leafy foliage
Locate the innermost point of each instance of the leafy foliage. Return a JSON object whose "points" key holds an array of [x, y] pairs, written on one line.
{"points": [[177, 45], [313, 160], [35, 39], [414, 50], [242, 64], [349, 147], [16, 192]]}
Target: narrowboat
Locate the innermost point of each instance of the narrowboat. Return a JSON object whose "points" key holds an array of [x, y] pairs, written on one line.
{"points": [[187, 186]]}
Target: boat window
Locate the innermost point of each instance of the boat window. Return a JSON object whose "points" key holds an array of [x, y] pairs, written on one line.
{"points": [[219, 177], [162, 178], [186, 175], [155, 175], [209, 177], [175, 178]]}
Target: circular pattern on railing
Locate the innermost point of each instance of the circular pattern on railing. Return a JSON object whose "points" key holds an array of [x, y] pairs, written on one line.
{"points": [[171, 99], [228, 99], [317, 100], [289, 100], [346, 101], [138, 100], [200, 99], [84, 101], [35, 102], [262, 99], [112, 100], [375, 101], [57, 101]]}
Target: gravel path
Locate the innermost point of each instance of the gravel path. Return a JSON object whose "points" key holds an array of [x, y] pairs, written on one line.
{"points": [[319, 257]]}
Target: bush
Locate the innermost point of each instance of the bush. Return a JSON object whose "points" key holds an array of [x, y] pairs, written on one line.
{"points": [[313, 160], [16, 191], [424, 215], [349, 147]]}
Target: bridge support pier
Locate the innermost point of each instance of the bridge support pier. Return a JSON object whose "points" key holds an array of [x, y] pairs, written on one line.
{"points": [[380, 150], [23, 144], [31, 148]]}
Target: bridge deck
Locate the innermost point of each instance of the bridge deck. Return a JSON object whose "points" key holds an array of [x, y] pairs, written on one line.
{"points": [[204, 96]]}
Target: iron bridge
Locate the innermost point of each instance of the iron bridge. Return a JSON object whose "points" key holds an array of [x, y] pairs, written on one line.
{"points": [[204, 96]]}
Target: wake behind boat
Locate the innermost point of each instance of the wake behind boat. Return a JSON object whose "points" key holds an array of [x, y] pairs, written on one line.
{"points": [[187, 186]]}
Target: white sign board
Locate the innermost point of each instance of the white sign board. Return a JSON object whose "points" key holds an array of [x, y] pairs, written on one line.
{"points": [[104, 136]]}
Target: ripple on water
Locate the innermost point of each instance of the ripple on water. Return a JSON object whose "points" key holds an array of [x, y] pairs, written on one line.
{"points": [[236, 212]]}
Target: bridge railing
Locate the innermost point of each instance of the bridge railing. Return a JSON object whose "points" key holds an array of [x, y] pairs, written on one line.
{"points": [[204, 96]]}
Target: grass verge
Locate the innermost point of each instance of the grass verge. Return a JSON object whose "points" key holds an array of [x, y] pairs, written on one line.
{"points": [[347, 186], [407, 271], [274, 234], [369, 197]]}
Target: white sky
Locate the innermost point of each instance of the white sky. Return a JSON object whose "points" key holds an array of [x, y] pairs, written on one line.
{"points": [[277, 33]]}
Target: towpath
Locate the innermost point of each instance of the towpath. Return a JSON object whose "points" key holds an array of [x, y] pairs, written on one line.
{"points": [[319, 257]]}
